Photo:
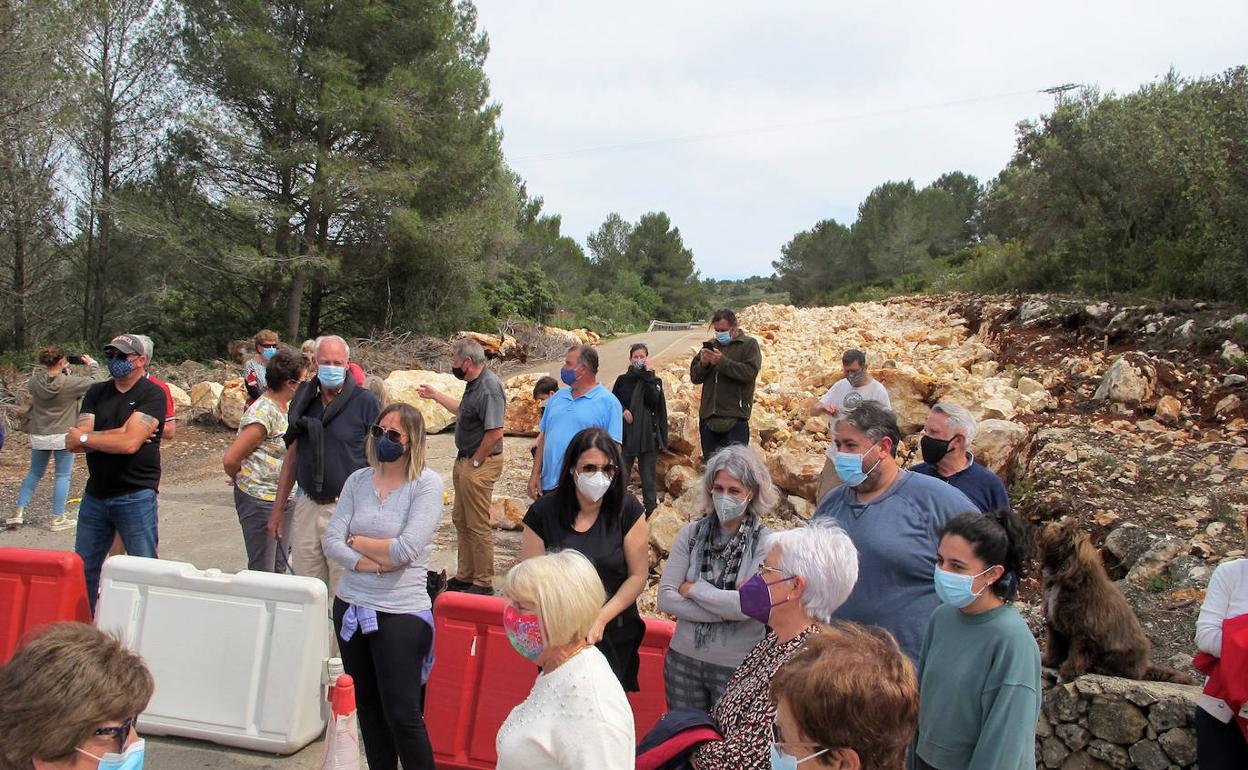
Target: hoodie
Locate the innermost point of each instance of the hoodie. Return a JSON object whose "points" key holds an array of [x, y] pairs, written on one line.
{"points": [[55, 400]]}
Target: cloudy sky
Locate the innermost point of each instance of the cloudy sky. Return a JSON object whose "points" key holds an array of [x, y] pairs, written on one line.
{"points": [[750, 121]]}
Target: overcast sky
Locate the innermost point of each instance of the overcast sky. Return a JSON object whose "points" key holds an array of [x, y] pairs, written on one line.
{"points": [[748, 122]]}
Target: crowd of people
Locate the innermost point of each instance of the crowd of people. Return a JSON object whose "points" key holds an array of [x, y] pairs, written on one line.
{"points": [[879, 634]]}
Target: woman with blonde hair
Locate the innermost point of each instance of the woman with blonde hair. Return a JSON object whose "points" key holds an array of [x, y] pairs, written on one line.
{"points": [[576, 715], [381, 532]]}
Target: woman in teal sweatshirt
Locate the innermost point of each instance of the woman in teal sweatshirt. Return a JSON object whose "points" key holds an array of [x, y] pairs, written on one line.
{"points": [[979, 673]]}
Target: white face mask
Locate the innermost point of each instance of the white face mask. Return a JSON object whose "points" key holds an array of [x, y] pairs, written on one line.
{"points": [[593, 485], [728, 508]]}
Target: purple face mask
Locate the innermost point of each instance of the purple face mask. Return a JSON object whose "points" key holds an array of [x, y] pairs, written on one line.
{"points": [[756, 598]]}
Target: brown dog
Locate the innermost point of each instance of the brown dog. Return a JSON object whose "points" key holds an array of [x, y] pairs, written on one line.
{"points": [[1090, 626]]}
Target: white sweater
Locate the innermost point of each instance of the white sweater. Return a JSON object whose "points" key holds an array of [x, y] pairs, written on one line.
{"points": [[1226, 598], [576, 717]]}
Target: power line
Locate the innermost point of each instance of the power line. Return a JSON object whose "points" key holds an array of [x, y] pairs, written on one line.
{"points": [[772, 128]]}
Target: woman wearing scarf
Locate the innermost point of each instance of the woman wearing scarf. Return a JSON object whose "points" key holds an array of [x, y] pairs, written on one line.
{"points": [[640, 392], [709, 560]]}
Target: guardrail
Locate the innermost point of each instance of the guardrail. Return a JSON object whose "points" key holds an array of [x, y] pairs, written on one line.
{"points": [[673, 326]]}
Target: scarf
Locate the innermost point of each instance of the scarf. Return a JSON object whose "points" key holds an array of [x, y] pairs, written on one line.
{"points": [[730, 554], [312, 429]]}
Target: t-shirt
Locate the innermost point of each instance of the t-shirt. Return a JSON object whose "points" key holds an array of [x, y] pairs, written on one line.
{"points": [[110, 474], [842, 395], [480, 410], [896, 538], [169, 405], [979, 691], [343, 444], [566, 416], [260, 470], [985, 488]]}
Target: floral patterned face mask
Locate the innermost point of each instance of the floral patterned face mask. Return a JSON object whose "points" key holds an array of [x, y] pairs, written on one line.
{"points": [[524, 632]]}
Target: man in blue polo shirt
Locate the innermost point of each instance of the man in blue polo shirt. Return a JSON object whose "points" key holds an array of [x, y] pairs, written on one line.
{"points": [[946, 449], [586, 404]]}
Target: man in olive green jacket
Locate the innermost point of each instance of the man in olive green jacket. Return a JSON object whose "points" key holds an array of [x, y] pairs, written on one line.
{"points": [[726, 367]]}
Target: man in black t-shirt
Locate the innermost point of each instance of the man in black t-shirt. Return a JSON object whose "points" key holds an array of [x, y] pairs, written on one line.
{"points": [[119, 429]]}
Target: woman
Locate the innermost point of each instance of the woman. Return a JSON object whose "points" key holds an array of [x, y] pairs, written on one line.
{"points": [[577, 715], [381, 531], [590, 511], [979, 671], [55, 396], [254, 375], [848, 698], [72, 696], [710, 558], [254, 461], [1221, 742], [806, 575], [640, 392]]}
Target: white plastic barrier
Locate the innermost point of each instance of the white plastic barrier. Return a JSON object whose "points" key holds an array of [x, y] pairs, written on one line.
{"points": [[238, 660]]}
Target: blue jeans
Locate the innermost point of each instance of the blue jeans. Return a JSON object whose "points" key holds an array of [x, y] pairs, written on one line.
{"points": [[132, 515], [38, 465]]}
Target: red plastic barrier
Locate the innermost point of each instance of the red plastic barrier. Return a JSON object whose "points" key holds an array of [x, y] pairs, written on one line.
{"points": [[478, 679], [38, 587]]}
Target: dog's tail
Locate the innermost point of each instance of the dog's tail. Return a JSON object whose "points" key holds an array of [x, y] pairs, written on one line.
{"points": [[1167, 674]]}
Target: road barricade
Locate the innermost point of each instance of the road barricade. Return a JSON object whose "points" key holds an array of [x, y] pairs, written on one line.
{"points": [[38, 587]]}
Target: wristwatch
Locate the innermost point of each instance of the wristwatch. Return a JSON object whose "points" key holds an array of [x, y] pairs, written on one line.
{"points": [[82, 438]]}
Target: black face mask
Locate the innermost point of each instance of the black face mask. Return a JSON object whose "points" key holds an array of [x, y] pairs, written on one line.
{"points": [[933, 449], [458, 372]]}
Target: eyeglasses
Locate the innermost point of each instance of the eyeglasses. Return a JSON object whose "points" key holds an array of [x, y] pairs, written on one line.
{"points": [[121, 732], [377, 432], [608, 468], [763, 569], [778, 738]]}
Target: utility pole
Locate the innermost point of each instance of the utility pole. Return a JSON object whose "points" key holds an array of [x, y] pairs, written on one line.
{"points": [[1059, 92]]}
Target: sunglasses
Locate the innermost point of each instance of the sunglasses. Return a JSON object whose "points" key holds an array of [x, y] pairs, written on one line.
{"points": [[117, 355], [608, 468], [268, 346], [376, 431], [120, 732]]}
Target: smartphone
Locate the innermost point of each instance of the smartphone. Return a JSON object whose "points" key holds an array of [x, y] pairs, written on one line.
{"points": [[708, 345], [75, 360]]}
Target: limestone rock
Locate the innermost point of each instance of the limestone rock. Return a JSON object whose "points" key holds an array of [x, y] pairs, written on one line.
{"points": [[1231, 353], [680, 478], [1169, 410], [795, 471], [1239, 461], [1052, 752], [1028, 386], [998, 409], [507, 513], [1116, 722], [667, 461], [233, 403], [495, 345], [1227, 405], [1155, 562], [1180, 745], [402, 385], [1129, 380], [1124, 546], [1147, 755], [205, 396], [181, 399], [996, 441], [1080, 760], [665, 525], [911, 393], [523, 412], [682, 433], [1111, 754]]}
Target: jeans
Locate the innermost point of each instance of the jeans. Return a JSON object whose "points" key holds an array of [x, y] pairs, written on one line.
{"points": [[647, 464], [386, 666], [38, 465], [131, 515], [712, 442]]}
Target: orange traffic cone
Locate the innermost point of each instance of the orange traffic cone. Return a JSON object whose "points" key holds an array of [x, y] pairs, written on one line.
{"points": [[342, 740]]}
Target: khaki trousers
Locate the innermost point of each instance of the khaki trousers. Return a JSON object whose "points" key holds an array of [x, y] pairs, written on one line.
{"points": [[474, 490], [306, 543], [828, 480]]}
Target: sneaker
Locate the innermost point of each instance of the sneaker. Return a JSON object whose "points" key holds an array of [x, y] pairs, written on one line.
{"points": [[62, 523], [455, 584], [15, 521], [479, 590]]}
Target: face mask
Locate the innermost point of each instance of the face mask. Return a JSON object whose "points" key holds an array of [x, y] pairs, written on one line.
{"points": [[782, 761], [756, 598], [120, 367], [524, 632], [639, 364], [729, 508], [459, 372], [331, 376], [723, 338], [933, 449], [593, 485], [849, 468], [130, 759], [386, 450], [568, 376], [268, 353], [954, 589], [857, 378]]}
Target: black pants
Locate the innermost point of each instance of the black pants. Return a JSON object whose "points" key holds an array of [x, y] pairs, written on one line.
{"points": [[712, 442], [1219, 745], [647, 464], [386, 667]]}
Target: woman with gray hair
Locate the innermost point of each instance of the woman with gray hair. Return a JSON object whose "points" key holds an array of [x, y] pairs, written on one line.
{"points": [[806, 575], [709, 560]]}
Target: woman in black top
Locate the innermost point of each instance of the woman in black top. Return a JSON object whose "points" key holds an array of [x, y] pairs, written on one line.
{"points": [[591, 512], [640, 392]]}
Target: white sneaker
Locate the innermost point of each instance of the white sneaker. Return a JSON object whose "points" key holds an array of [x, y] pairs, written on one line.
{"points": [[15, 521], [62, 523]]}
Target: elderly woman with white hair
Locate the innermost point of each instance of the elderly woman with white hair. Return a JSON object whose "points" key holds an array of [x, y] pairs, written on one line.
{"points": [[806, 575], [577, 714], [946, 449], [709, 560]]}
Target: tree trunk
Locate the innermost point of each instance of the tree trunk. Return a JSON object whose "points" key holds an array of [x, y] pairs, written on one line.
{"points": [[19, 286]]}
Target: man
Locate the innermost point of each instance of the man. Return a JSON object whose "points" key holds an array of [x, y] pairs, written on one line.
{"points": [[946, 449], [892, 515], [584, 404], [478, 463], [640, 392], [329, 419], [119, 429], [855, 387], [171, 425], [726, 367]]}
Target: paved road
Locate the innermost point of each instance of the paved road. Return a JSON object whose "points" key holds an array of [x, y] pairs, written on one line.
{"points": [[613, 355]]}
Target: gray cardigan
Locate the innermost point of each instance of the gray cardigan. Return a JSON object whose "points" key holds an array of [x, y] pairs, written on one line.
{"points": [[708, 604]]}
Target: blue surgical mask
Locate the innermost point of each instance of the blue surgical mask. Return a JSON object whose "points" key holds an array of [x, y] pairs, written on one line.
{"points": [[568, 376], [130, 759], [783, 761], [268, 353], [954, 589], [331, 376], [120, 367], [849, 468], [723, 338]]}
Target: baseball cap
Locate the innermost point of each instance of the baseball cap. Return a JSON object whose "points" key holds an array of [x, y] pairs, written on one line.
{"points": [[127, 343], [147, 345]]}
